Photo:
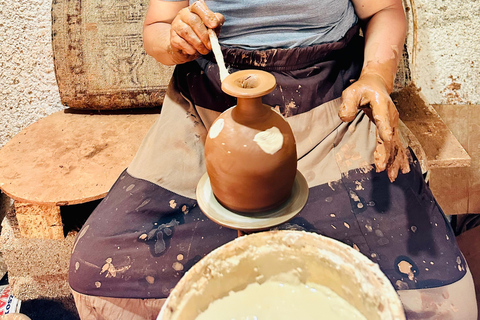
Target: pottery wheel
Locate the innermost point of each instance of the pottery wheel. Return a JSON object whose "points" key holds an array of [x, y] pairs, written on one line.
{"points": [[251, 221]]}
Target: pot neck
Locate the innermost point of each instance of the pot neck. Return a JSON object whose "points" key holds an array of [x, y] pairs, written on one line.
{"points": [[250, 110]]}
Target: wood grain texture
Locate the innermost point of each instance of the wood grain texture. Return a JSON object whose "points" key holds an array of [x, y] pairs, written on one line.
{"points": [[71, 157], [441, 147], [458, 189]]}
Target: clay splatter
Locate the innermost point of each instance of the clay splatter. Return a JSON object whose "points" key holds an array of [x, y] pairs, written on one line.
{"points": [[110, 270], [405, 267], [401, 285], [159, 234], [150, 279], [270, 140], [358, 186], [144, 203], [177, 266], [216, 128]]}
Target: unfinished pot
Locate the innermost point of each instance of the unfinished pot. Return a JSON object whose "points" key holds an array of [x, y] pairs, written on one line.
{"points": [[293, 258], [250, 149]]}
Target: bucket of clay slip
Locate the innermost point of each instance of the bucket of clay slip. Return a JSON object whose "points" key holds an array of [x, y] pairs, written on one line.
{"points": [[295, 256]]}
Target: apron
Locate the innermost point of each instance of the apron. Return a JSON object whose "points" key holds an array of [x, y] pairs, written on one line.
{"points": [[148, 231]]}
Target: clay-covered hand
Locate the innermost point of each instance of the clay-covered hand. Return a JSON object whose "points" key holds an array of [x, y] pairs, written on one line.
{"points": [[189, 32], [370, 93]]}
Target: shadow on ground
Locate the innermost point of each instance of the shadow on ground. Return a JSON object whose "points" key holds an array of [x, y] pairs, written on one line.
{"points": [[50, 309]]}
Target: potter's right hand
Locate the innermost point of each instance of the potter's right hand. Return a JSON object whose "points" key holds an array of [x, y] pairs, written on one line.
{"points": [[189, 31]]}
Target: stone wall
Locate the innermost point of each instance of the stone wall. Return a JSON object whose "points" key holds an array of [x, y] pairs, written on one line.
{"points": [[28, 89], [447, 66]]}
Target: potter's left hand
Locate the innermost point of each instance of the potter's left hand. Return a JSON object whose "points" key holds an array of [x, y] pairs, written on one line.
{"points": [[370, 93]]}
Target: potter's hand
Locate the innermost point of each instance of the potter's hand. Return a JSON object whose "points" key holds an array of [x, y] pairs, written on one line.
{"points": [[189, 32], [371, 94]]}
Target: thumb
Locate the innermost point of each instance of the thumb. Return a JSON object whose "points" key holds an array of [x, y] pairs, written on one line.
{"points": [[350, 102]]}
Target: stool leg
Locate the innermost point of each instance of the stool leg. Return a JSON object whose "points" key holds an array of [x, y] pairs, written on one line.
{"points": [[39, 221]]}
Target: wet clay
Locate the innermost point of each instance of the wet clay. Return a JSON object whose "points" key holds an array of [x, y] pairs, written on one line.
{"points": [[371, 92], [201, 9], [250, 151], [282, 301], [259, 263]]}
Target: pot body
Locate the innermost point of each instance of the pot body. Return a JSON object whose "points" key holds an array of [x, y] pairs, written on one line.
{"points": [[250, 155]]}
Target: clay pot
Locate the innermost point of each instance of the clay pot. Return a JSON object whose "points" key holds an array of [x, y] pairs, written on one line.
{"points": [[250, 150], [307, 257]]}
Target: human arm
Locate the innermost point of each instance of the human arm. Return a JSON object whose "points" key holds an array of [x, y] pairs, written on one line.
{"points": [[175, 33], [384, 37]]}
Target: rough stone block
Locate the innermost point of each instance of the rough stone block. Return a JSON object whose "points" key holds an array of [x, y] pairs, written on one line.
{"points": [[36, 267], [39, 221]]}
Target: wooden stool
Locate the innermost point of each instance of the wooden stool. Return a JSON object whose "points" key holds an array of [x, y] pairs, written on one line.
{"points": [[64, 159], [67, 158]]}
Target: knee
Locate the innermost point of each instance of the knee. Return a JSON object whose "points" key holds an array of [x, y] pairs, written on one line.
{"points": [[453, 301]]}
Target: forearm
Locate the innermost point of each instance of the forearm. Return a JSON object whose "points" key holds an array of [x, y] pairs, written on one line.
{"points": [[156, 41], [384, 39]]}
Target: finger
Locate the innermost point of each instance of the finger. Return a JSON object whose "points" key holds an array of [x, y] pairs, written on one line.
{"points": [[394, 163], [188, 28], [201, 32], [209, 18], [221, 20], [381, 115], [405, 164], [351, 100], [381, 154], [180, 44], [392, 173]]}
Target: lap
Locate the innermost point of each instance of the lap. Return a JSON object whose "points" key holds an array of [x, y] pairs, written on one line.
{"points": [[142, 238], [452, 301]]}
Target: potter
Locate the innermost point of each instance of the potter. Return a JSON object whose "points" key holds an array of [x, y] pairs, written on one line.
{"points": [[316, 52]]}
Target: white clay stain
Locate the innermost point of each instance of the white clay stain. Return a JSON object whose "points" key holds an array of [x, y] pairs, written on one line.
{"points": [[270, 140], [216, 128]]}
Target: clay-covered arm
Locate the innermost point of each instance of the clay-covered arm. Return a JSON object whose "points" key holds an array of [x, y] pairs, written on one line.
{"points": [[384, 37], [175, 33]]}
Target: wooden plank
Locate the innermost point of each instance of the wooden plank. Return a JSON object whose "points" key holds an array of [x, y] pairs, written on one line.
{"points": [[41, 222], [458, 190], [441, 147], [71, 157], [450, 186], [473, 148]]}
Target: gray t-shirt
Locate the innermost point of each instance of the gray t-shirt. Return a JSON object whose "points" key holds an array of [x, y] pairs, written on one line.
{"points": [[265, 24]]}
